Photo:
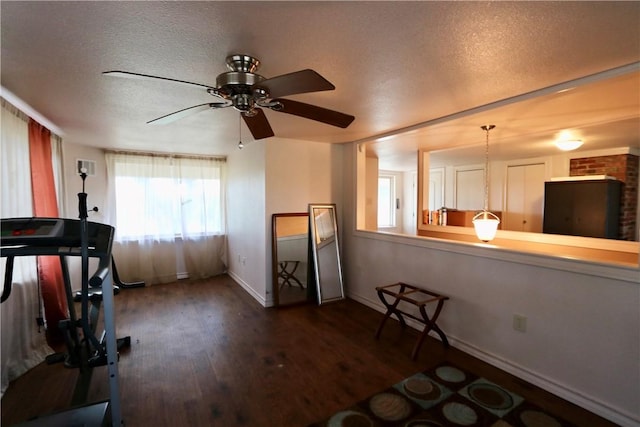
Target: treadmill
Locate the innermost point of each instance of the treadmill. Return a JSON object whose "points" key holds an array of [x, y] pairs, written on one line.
{"points": [[74, 238]]}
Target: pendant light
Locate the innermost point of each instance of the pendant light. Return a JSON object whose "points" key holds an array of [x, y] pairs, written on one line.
{"points": [[240, 144], [485, 222]]}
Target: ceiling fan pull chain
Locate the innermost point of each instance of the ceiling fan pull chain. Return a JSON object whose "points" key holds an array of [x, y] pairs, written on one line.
{"points": [[240, 144]]}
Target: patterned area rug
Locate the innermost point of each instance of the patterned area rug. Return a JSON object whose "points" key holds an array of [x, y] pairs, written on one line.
{"points": [[444, 396]]}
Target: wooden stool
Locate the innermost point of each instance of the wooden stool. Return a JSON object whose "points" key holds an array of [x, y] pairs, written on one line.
{"points": [[415, 296], [287, 275]]}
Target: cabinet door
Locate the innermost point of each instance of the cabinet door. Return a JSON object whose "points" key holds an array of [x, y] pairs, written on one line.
{"points": [[558, 208], [596, 206], [525, 197], [589, 212]]}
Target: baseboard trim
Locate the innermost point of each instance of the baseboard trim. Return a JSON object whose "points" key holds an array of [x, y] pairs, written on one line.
{"points": [[248, 288], [561, 390]]}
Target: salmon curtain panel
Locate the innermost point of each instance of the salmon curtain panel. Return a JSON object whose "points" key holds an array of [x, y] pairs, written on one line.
{"points": [[45, 204]]}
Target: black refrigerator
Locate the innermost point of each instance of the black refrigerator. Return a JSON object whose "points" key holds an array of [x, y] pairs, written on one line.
{"points": [[589, 208]]}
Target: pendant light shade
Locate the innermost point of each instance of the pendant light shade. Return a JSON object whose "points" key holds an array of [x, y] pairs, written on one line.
{"points": [[486, 223]]}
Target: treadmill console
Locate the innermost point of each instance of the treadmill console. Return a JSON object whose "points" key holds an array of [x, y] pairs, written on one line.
{"points": [[28, 231], [55, 232]]}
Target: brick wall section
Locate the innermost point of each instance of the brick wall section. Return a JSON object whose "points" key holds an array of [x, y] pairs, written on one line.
{"points": [[624, 168]]}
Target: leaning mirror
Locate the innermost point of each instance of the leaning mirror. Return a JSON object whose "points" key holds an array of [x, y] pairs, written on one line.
{"points": [[290, 249], [326, 252]]}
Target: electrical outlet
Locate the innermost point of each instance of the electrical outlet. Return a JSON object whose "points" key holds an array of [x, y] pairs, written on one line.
{"points": [[520, 323]]}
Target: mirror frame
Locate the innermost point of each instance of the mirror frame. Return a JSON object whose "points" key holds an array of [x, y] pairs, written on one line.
{"points": [[314, 236], [274, 260]]}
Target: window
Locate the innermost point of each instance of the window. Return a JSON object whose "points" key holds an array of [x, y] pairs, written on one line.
{"points": [[167, 197], [386, 201]]}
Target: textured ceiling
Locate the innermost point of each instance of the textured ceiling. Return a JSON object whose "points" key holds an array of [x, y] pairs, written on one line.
{"points": [[395, 65], [602, 110]]}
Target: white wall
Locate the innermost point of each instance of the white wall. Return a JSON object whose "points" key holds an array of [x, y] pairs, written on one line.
{"points": [[371, 194], [245, 218], [583, 331], [95, 186], [267, 177], [299, 173]]}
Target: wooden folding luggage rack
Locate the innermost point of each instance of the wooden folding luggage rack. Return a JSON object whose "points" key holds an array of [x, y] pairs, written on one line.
{"points": [[418, 297]]}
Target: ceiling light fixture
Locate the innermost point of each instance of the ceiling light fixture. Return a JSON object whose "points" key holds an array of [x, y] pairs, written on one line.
{"points": [[485, 222], [568, 145]]}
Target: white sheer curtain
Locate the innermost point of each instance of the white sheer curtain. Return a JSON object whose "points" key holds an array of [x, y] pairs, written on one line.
{"points": [[58, 173], [202, 214], [23, 346], [169, 215]]}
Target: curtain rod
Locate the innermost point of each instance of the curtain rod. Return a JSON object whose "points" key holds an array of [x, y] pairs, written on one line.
{"points": [[167, 155]]}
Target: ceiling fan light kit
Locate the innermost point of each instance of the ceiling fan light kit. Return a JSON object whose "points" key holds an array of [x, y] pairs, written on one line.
{"points": [[249, 93], [243, 63]]}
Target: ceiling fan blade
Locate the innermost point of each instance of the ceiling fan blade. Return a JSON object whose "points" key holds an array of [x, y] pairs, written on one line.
{"points": [[258, 124], [177, 115], [313, 112], [131, 75], [297, 82]]}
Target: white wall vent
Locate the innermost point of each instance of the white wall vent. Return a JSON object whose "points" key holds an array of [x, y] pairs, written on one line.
{"points": [[89, 167]]}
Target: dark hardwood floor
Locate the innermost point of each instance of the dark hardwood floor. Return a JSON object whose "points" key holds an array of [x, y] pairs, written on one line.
{"points": [[207, 354]]}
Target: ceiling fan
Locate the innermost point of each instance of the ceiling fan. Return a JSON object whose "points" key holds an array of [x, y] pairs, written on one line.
{"points": [[248, 92]]}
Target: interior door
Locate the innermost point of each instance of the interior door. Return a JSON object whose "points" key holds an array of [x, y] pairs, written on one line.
{"points": [[525, 198]]}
